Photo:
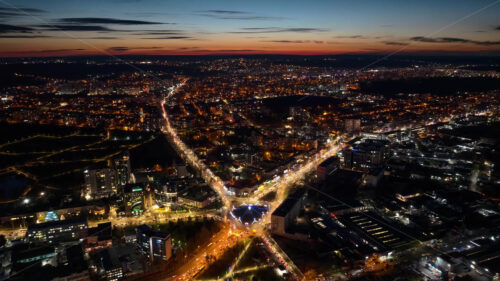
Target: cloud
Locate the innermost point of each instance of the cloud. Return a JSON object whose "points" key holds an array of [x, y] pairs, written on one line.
{"points": [[294, 41], [240, 17], [118, 49], [60, 27], [227, 51], [123, 49], [303, 29], [287, 41], [147, 14], [103, 37], [245, 30], [20, 36], [486, 43], [195, 50], [60, 50], [437, 40], [6, 28], [106, 21], [26, 10], [234, 15], [170, 38], [161, 32], [352, 37], [47, 51], [17, 12], [453, 40], [393, 43], [358, 36], [372, 50], [187, 48], [225, 12]]}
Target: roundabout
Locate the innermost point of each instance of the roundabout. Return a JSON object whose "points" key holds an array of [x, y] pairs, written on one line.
{"points": [[248, 214]]}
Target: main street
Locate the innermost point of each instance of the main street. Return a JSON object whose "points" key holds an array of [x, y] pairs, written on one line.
{"points": [[19, 233], [280, 186], [190, 157]]}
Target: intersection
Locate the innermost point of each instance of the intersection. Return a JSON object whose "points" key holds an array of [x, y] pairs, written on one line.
{"points": [[280, 186]]}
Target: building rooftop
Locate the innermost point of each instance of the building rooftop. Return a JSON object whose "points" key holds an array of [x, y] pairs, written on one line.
{"points": [[329, 161], [374, 229], [102, 230], [24, 252], [197, 193], [145, 229], [52, 224], [289, 202], [285, 207], [109, 259]]}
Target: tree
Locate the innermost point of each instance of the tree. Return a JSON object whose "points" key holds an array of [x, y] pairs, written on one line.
{"points": [[3, 241]]}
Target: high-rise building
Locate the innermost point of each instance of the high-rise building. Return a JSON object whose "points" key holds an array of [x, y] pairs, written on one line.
{"points": [[287, 212], [133, 199], [122, 167], [327, 167], [366, 155], [109, 264], [352, 125], [99, 237], [100, 183], [156, 245]]}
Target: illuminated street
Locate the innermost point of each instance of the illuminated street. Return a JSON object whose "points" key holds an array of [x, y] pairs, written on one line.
{"points": [[249, 140], [280, 186]]}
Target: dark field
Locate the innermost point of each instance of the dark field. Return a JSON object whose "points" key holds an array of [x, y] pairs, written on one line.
{"points": [[55, 157]]}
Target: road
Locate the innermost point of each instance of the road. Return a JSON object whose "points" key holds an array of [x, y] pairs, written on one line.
{"points": [[219, 242], [196, 262], [147, 219], [224, 240], [190, 156], [17, 233]]}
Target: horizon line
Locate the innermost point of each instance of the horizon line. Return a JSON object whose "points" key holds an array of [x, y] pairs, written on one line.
{"points": [[249, 53]]}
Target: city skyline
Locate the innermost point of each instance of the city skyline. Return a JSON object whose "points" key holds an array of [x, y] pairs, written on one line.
{"points": [[55, 28], [146, 140]]}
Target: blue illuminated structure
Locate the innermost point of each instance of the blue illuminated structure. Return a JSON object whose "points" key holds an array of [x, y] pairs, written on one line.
{"points": [[248, 214], [51, 216]]}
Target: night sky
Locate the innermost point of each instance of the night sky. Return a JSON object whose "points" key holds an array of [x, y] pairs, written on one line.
{"points": [[70, 27]]}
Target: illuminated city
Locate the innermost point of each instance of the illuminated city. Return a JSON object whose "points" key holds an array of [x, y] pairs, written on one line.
{"points": [[237, 140]]}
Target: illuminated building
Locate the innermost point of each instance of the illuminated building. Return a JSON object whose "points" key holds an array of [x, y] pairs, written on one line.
{"points": [[327, 167], [365, 155], [109, 265], [286, 213], [198, 196], [156, 245], [133, 198], [99, 237], [51, 216], [24, 255], [57, 231], [122, 167], [100, 183], [352, 125]]}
